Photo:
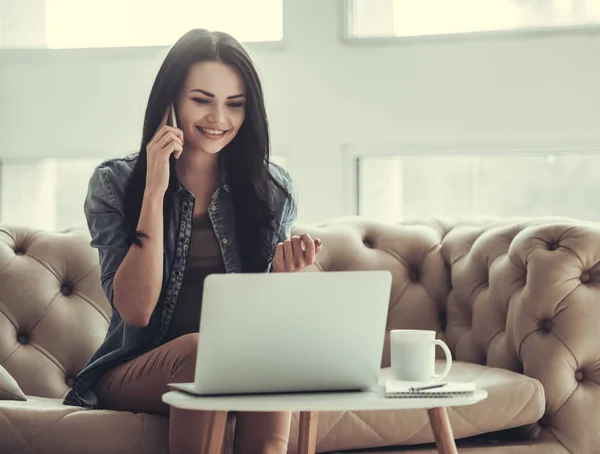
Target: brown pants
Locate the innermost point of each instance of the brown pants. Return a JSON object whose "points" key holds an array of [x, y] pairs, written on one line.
{"points": [[138, 385]]}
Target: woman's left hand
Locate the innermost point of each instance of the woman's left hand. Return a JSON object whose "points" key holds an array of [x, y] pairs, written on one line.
{"points": [[296, 254]]}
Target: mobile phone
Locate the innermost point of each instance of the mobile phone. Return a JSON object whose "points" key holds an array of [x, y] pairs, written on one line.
{"points": [[173, 117]]}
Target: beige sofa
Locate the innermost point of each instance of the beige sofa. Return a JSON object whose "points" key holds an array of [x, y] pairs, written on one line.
{"points": [[517, 300]]}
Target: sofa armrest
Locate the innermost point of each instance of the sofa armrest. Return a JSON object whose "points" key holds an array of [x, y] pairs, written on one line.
{"points": [[527, 298]]}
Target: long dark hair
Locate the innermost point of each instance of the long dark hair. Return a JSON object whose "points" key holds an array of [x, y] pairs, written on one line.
{"points": [[245, 158]]}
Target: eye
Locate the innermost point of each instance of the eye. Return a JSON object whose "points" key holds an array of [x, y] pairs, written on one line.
{"points": [[200, 100], [236, 105]]}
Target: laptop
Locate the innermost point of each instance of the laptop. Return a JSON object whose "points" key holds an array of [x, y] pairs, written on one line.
{"points": [[291, 332]]}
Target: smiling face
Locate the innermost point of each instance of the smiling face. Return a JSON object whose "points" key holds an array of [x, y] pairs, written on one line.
{"points": [[211, 106]]}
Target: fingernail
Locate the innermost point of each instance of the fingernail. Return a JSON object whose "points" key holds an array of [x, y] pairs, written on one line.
{"points": [[318, 241]]}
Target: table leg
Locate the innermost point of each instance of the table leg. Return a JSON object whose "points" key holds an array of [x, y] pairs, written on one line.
{"points": [[307, 440], [217, 432], [440, 424]]}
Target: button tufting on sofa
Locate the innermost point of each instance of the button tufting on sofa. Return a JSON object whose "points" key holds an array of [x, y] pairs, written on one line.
{"points": [[66, 289], [546, 325], [22, 338], [553, 246], [579, 375], [415, 275], [368, 243], [585, 277], [69, 381]]}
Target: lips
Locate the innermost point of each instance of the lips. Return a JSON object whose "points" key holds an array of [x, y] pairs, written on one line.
{"points": [[212, 134], [211, 130]]}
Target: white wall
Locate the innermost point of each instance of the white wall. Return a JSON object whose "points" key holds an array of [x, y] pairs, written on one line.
{"points": [[321, 94], [23, 24]]}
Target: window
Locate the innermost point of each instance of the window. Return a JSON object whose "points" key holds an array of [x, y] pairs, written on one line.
{"points": [[49, 193], [396, 187], [393, 18], [44, 193], [130, 23]]}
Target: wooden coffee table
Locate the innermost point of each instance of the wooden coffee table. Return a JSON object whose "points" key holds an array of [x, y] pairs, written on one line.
{"points": [[310, 404]]}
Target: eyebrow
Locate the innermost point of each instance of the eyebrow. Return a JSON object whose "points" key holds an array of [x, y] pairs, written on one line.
{"points": [[211, 95]]}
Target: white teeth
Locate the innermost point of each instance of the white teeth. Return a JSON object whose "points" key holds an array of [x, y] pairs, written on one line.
{"points": [[212, 131]]}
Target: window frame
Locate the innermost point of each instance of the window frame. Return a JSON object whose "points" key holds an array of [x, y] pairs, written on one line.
{"points": [[352, 153], [346, 12]]}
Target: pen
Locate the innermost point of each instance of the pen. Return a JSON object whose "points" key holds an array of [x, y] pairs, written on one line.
{"points": [[422, 388]]}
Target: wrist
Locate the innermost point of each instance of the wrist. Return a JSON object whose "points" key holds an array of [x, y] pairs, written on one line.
{"points": [[153, 195]]}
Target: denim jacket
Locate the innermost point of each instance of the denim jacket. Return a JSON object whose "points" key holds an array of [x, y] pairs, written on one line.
{"points": [[104, 211]]}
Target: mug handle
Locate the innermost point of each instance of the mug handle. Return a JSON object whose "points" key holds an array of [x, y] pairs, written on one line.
{"points": [[448, 359]]}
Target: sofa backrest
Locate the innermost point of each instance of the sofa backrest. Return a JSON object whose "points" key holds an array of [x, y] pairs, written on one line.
{"points": [[53, 313], [519, 294]]}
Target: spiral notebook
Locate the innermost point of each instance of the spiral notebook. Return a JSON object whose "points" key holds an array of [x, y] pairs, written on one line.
{"points": [[407, 389]]}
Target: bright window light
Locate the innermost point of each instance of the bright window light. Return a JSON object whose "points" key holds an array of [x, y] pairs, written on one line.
{"points": [[381, 18], [397, 187], [132, 23], [56, 190]]}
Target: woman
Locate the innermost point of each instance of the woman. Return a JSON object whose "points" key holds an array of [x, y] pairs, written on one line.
{"points": [[197, 199]]}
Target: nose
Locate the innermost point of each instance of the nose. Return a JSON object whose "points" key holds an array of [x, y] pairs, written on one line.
{"points": [[216, 115]]}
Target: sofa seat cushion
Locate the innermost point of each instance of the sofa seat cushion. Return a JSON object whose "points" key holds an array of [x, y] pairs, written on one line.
{"points": [[513, 400], [46, 426]]}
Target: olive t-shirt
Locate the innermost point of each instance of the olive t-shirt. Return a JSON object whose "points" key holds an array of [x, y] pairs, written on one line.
{"points": [[204, 258]]}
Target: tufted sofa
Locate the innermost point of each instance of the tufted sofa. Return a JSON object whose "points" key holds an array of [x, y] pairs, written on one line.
{"points": [[517, 301]]}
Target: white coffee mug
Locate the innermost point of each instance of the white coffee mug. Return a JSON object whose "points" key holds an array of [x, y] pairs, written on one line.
{"points": [[413, 355]]}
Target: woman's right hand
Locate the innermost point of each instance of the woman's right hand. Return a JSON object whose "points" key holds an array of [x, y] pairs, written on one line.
{"points": [[166, 141]]}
